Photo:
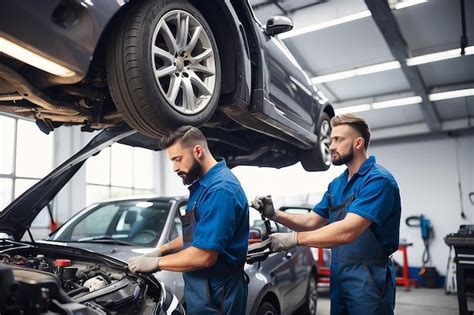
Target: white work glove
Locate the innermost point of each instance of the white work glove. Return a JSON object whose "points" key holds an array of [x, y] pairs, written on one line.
{"points": [[156, 253], [283, 241], [264, 204], [144, 264]]}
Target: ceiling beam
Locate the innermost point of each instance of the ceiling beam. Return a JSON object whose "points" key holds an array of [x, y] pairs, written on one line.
{"points": [[388, 26]]}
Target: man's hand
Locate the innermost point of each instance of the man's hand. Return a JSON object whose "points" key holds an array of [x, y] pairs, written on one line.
{"points": [[156, 253], [264, 204], [144, 264], [283, 241]]}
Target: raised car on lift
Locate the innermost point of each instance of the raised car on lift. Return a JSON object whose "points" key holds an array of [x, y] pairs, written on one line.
{"points": [[161, 64]]}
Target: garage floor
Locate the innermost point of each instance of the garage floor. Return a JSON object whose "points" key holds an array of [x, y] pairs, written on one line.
{"points": [[417, 301]]}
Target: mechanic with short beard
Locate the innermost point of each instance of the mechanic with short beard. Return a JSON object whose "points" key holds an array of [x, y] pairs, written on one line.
{"points": [[362, 207], [212, 251]]}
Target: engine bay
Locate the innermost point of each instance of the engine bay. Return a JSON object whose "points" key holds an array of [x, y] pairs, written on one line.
{"points": [[35, 282]]}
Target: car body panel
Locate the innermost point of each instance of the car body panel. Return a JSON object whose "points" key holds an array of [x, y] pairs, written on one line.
{"points": [[266, 96], [284, 274], [51, 40]]}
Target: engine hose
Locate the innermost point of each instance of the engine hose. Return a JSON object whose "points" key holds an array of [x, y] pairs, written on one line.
{"points": [[77, 291], [64, 298]]}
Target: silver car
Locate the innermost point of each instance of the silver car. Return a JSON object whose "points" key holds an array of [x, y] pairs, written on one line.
{"points": [[283, 283]]}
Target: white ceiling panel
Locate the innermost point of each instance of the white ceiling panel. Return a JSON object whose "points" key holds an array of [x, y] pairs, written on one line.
{"points": [[386, 82], [435, 25], [448, 72], [455, 108], [394, 116], [342, 47]]}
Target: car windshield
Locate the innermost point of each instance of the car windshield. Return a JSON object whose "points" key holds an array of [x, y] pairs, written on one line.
{"points": [[134, 223]]}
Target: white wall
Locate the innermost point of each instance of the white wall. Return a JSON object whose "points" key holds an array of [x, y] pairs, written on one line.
{"points": [[427, 174]]}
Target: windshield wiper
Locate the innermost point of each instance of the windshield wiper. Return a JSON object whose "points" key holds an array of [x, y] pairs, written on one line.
{"points": [[104, 239]]}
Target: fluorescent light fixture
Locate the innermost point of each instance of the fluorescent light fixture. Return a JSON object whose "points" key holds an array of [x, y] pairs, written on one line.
{"points": [[355, 72], [33, 59], [326, 24], [344, 19], [353, 109], [397, 102], [443, 55], [408, 3], [405, 101], [451, 94]]}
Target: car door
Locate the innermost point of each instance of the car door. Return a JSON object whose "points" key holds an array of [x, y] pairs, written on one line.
{"points": [[278, 265], [298, 263], [289, 88], [174, 280]]}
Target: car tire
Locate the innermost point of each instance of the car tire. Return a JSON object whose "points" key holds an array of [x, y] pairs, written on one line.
{"points": [[310, 306], [266, 308], [163, 67], [319, 158]]}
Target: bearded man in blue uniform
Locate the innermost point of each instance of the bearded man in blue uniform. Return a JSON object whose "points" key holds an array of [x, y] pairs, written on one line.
{"points": [[358, 217], [212, 249]]}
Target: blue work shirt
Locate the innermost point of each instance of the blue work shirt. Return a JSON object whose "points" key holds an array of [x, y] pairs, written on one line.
{"points": [[222, 215], [377, 199]]}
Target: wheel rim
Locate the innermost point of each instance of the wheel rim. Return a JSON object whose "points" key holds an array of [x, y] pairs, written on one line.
{"points": [[313, 296], [325, 141], [183, 61]]}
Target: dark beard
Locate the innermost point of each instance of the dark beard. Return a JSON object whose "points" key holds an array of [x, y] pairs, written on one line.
{"points": [[193, 173], [344, 159]]}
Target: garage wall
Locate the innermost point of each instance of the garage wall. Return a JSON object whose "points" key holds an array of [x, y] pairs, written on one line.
{"points": [[427, 171]]}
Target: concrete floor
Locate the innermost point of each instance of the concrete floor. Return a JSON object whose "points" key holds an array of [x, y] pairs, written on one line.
{"points": [[419, 301]]}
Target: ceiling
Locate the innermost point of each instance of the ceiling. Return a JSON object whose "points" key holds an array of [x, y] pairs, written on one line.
{"points": [[380, 33]]}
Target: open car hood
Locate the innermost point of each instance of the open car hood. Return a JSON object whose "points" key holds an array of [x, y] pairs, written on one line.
{"points": [[17, 217]]}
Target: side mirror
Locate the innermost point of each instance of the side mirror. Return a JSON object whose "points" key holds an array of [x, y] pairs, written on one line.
{"points": [[255, 236], [278, 24]]}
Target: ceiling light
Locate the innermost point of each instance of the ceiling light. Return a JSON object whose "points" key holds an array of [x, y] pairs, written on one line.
{"points": [[355, 72], [353, 109], [326, 24], [443, 55], [405, 101], [33, 59], [451, 94], [408, 3], [397, 102], [344, 19]]}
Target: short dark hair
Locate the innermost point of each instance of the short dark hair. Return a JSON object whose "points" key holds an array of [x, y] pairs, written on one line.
{"points": [[188, 137], [356, 122]]}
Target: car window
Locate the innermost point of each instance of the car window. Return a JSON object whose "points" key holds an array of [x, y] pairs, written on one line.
{"points": [[176, 227], [137, 222], [94, 224]]}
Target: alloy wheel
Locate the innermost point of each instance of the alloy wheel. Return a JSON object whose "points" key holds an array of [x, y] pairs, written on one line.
{"points": [[325, 141], [313, 296], [183, 62]]}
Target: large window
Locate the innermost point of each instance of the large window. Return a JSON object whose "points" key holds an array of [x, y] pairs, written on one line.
{"points": [[119, 171], [26, 156]]}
